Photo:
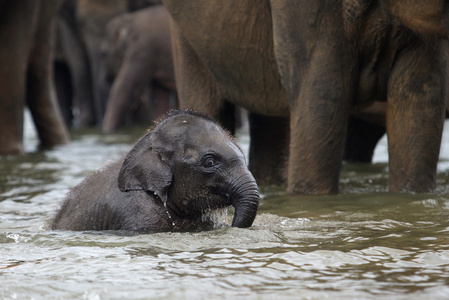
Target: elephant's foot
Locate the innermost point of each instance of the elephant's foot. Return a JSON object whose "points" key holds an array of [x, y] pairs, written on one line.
{"points": [[50, 128], [425, 185], [303, 182], [11, 149], [58, 139]]}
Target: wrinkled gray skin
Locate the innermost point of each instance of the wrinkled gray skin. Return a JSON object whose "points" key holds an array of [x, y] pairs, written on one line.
{"points": [[310, 63], [185, 166]]}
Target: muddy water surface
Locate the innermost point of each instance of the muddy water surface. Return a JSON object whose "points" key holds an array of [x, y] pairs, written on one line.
{"points": [[363, 244]]}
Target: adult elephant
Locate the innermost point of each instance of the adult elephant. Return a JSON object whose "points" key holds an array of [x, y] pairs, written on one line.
{"points": [[25, 74], [91, 19], [311, 61], [137, 58]]}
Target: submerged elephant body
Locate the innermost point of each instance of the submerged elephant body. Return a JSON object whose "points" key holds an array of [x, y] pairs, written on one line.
{"points": [[183, 168], [310, 62]]}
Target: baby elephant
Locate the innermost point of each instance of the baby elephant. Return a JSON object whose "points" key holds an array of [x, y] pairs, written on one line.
{"points": [[186, 166]]}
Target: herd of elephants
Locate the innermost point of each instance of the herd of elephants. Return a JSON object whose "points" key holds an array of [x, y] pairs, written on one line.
{"points": [[321, 81]]}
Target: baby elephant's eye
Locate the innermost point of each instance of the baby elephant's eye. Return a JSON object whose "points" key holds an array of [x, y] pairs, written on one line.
{"points": [[210, 161]]}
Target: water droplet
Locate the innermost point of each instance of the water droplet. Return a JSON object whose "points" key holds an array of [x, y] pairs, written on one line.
{"points": [[169, 216]]}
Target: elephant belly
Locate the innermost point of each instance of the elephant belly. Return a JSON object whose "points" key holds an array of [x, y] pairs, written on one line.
{"points": [[370, 87], [235, 43], [380, 39]]}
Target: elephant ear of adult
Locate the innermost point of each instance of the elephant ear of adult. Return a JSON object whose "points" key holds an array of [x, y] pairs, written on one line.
{"points": [[144, 169]]}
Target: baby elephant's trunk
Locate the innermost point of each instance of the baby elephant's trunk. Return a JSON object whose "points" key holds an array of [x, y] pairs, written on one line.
{"points": [[245, 199]]}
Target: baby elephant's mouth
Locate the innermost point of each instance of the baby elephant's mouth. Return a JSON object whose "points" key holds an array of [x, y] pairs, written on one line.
{"points": [[225, 197], [219, 218], [205, 218]]}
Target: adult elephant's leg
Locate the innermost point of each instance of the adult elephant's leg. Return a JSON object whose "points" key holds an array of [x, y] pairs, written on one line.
{"points": [[76, 57], [317, 72], [268, 153], [318, 123], [17, 21], [41, 95], [417, 94], [195, 84], [127, 87]]}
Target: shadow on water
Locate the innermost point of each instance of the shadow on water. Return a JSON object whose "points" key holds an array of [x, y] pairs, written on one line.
{"points": [[362, 244]]}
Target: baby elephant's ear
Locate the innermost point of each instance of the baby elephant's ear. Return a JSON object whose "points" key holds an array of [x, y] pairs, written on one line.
{"points": [[144, 169]]}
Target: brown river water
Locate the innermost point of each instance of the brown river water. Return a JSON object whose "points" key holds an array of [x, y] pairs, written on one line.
{"points": [[365, 243]]}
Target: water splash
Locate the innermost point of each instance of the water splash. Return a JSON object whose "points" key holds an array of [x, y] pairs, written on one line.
{"points": [[221, 217], [168, 214]]}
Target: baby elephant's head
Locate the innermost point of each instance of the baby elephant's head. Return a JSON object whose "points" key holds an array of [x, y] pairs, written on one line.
{"points": [[192, 165]]}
